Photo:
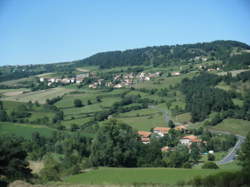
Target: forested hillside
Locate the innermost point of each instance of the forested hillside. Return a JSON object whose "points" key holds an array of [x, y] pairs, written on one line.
{"points": [[168, 55]]}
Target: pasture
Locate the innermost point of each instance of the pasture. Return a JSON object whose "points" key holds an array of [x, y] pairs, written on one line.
{"points": [[163, 82], [143, 119], [234, 126], [24, 130], [41, 96], [126, 176]]}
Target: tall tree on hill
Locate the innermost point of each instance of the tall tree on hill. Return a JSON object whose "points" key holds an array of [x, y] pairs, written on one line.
{"points": [[244, 156], [115, 145], [12, 159]]}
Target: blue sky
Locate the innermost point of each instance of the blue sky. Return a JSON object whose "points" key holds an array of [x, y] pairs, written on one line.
{"points": [[47, 31]]}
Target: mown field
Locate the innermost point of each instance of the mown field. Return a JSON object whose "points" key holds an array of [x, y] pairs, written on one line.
{"points": [[163, 82], [40, 96], [105, 176], [24, 130], [235, 126]]}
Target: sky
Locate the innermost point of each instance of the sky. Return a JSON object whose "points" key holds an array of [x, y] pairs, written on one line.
{"points": [[49, 31]]}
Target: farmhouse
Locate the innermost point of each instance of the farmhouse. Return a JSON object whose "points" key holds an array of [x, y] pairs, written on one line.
{"points": [[188, 140], [145, 136], [175, 73], [118, 86], [161, 131], [165, 149], [181, 128]]}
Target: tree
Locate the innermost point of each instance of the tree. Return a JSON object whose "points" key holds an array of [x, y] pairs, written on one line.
{"points": [[89, 102], [74, 127], [195, 152], [244, 155], [209, 165], [171, 124], [115, 144], [178, 157], [3, 115], [59, 116], [210, 157], [98, 99], [77, 103], [12, 160], [1, 105], [51, 169]]}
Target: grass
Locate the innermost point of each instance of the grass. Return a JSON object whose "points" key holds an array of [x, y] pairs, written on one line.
{"points": [[235, 126], [183, 118], [17, 82], [24, 130], [163, 82], [234, 72], [105, 176], [40, 96], [144, 119]]}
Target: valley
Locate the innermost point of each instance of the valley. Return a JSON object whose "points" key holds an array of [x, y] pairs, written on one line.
{"points": [[152, 119]]}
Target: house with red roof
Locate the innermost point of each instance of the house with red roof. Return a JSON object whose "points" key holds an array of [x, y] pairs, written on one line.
{"points": [[161, 131], [188, 140], [144, 136]]}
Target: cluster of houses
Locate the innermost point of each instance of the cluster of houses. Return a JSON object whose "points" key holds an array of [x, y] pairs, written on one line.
{"points": [[162, 131], [124, 80], [78, 79]]}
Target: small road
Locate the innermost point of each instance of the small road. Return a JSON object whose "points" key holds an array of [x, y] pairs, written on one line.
{"points": [[164, 113], [232, 154]]}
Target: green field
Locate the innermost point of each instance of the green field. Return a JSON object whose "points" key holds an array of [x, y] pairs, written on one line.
{"points": [[24, 130], [235, 126], [163, 82], [143, 119], [40, 96], [105, 176]]}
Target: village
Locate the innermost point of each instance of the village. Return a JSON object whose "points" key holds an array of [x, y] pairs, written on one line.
{"points": [[160, 132], [118, 80]]}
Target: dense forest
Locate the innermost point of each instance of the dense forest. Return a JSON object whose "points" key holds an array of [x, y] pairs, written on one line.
{"points": [[165, 55], [203, 98]]}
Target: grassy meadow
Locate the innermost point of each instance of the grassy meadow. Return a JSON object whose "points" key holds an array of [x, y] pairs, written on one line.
{"points": [[41, 96], [24, 130], [106, 176], [234, 126]]}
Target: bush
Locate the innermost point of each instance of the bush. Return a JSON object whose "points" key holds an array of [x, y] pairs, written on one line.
{"points": [[187, 165], [210, 157], [210, 165], [77, 103]]}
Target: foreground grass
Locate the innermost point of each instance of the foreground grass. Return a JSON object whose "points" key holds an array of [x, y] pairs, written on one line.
{"points": [[123, 176], [234, 126]]}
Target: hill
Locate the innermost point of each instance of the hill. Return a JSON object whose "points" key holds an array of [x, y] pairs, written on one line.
{"points": [[166, 55], [227, 52]]}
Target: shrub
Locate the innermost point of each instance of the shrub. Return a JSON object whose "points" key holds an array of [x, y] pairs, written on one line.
{"points": [[77, 103], [210, 157], [187, 165], [209, 165]]}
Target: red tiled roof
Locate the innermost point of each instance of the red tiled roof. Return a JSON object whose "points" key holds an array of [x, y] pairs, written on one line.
{"points": [[181, 127], [165, 149], [145, 139], [192, 138], [163, 130], [144, 134]]}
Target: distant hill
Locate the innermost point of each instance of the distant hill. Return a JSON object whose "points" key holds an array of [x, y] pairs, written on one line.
{"points": [[235, 55], [167, 55]]}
